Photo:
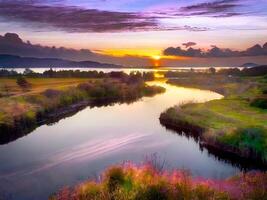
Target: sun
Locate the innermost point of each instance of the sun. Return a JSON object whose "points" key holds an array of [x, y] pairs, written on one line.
{"points": [[156, 60], [156, 57]]}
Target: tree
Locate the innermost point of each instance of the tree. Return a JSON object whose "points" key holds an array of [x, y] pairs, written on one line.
{"points": [[28, 71], [22, 82], [212, 70]]}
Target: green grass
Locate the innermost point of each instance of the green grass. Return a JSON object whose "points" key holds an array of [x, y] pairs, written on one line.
{"points": [[218, 114], [9, 85], [231, 121], [49, 94]]}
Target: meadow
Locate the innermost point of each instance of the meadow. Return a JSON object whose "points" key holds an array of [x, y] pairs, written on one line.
{"points": [[235, 124], [25, 105]]}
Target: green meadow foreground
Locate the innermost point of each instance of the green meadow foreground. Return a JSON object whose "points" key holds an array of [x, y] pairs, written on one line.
{"points": [[236, 124], [35, 100], [129, 182]]}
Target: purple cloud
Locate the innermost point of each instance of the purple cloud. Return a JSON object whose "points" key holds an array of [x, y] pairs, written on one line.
{"points": [[217, 8], [221, 8], [75, 19], [78, 19], [216, 52], [11, 43], [189, 44]]}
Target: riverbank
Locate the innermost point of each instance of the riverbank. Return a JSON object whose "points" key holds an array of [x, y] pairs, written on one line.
{"points": [[233, 124], [130, 182], [23, 109]]}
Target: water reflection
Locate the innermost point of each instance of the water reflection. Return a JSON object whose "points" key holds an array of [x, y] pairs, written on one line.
{"points": [[84, 144]]}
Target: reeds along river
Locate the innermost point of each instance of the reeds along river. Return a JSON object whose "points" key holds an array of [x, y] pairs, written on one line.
{"points": [[83, 145]]}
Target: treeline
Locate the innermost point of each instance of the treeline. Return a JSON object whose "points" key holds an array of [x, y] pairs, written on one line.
{"points": [[253, 71], [28, 73]]}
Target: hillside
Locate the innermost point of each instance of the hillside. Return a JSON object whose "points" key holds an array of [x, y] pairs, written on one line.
{"points": [[11, 61]]}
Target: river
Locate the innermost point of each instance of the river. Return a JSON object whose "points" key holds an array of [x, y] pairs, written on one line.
{"points": [[81, 146]]}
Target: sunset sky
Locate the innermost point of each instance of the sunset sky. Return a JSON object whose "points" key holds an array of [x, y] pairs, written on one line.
{"points": [[140, 32]]}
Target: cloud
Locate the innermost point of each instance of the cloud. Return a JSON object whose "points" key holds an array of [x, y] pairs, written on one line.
{"points": [[75, 19], [189, 44], [221, 8], [11, 43], [217, 8], [42, 16], [216, 52]]}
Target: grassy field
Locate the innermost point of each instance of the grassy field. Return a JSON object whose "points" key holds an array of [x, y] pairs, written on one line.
{"points": [[13, 102], [230, 124], [9, 87], [146, 182], [21, 108]]}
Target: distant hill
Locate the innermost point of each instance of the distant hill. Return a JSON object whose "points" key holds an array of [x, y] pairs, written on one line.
{"points": [[249, 65], [11, 61]]}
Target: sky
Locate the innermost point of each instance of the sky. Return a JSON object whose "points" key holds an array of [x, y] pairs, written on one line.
{"points": [[139, 32]]}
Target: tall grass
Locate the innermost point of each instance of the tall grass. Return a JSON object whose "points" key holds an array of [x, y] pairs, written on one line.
{"points": [[25, 110], [131, 182]]}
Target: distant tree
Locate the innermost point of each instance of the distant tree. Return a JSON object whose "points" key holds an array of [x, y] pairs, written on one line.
{"points": [[135, 77], [49, 73], [22, 82], [28, 71], [148, 76], [212, 70]]}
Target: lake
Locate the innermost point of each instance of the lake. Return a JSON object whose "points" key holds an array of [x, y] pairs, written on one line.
{"points": [[83, 145]]}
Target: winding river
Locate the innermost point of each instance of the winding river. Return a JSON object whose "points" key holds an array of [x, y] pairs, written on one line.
{"points": [[83, 145]]}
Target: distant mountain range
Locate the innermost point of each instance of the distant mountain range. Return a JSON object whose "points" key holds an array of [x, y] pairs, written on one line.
{"points": [[11, 61]]}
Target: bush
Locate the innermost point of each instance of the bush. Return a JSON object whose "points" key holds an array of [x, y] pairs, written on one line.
{"points": [[50, 93], [22, 82], [264, 91], [90, 191], [250, 139], [114, 177], [204, 192], [97, 92], [212, 70], [259, 103], [86, 86], [130, 182], [153, 192]]}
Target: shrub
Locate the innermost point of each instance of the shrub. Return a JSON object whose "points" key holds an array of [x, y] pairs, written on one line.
{"points": [[264, 91], [250, 139], [153, 192], [212, 70], [114, 177], [90, 191], [22, 82], [51, 93], [97, 92], [259, 103], [148, 184], [205, 192], [151, 90], [85, 86]]}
